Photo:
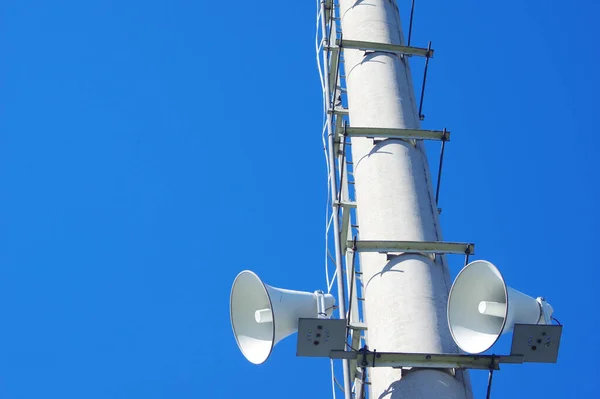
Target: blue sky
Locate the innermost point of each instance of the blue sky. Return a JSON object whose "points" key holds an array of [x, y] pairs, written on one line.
{"points": [[150, 150]]}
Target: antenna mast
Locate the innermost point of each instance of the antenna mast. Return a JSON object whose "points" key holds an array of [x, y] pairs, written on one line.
{"points": [[400, 317], [403, 276]]}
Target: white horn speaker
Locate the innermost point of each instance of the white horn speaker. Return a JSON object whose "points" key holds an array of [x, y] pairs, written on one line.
{"points": [[481, 307], [262, 315]]}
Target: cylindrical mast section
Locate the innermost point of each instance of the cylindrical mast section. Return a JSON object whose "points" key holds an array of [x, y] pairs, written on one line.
{"points": [[405, 295]]}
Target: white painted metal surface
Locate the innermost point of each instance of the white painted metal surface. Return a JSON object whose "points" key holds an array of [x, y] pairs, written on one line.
{"points": [[262, 315], [405, 298], [482, 307]]}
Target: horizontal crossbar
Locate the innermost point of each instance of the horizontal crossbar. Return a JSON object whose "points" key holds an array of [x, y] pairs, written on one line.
{"points": [[390, 48], [434, 247], [398, 133], [339, 111], [346, 204], [358, 326], [441, 361]]}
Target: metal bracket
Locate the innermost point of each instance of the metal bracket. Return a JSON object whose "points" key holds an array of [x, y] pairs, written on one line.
{"points": [[386, 47], [427, 360], [346, 206], [334, 69], [339, 111], [434, 247], [391, 133]]}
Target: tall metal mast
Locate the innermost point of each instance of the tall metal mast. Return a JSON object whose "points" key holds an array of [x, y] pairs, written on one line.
{"points": [[393, 334], [403, 277]]}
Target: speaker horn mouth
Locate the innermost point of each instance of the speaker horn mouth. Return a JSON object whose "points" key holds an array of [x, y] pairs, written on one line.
{"points": [[477, 307], [250, 311]]}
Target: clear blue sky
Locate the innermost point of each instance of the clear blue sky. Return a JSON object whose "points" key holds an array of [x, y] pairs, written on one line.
{"points": [[150, 150]]}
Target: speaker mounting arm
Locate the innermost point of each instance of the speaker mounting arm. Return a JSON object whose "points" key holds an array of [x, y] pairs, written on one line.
{"points": [[429, 360], [435, 247]]}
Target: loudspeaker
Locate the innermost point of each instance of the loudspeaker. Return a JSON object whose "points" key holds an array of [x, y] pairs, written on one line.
{"points": [[262, 315], [481, 307]]}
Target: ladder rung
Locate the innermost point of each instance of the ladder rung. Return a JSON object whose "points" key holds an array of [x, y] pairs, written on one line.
{"points": [[358, 326], [347, 204], [434, 247], [391, 48], [379, 132], [340, 111]]}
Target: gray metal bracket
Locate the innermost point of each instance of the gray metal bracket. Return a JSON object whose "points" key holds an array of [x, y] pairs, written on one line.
{"points": [[429, 360], [339, 111], [387, 47], [391, 133], [434, 247], [346, 206]]}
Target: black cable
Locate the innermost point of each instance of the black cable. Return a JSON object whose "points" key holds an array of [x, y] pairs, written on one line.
{"points": [[351, 347], [365, 351], [412, 13], [421, 116], [439, 176], [489, 388], [337, 383], [556, 320], [363, 394]]}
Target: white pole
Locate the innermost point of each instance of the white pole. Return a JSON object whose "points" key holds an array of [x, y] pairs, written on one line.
{"points": [[405, 297]]}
